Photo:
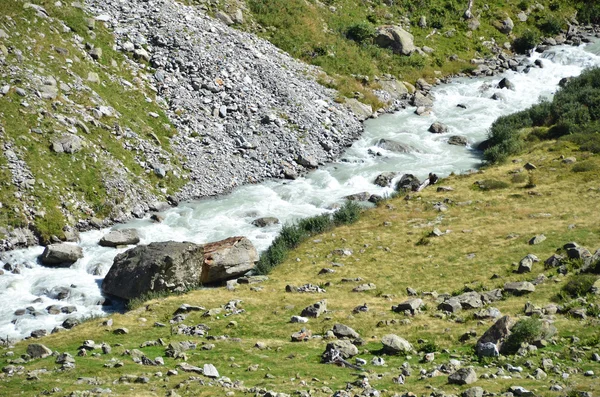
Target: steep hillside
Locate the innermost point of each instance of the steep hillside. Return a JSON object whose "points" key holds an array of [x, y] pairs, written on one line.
{"points": [[105, 116]]}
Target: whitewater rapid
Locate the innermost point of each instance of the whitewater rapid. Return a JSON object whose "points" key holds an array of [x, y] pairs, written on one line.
{"points": [[37, 287]]}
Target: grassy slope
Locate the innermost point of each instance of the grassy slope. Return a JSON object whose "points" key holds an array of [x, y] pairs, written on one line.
{"points": [[316, 32], [390, 257], [77, 176]]}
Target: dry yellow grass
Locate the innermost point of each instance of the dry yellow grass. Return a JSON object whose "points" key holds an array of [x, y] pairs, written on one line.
{"points": [[489, 232]]}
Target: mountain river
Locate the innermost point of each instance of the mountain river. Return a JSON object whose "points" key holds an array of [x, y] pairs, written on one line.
{"points": [[37, 287]]}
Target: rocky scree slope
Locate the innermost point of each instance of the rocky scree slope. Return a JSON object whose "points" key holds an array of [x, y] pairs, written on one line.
{"points": [[244, 110], [87, 123]]}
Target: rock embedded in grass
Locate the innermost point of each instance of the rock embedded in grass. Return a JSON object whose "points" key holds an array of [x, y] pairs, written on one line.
{"points": [[393, 344], [464, 376]]}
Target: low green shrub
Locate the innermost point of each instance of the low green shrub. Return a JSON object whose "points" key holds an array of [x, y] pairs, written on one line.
{"points": [[526, 42], [291, 236], [519, 178], [585, 166], [316, 224], [551, 25], [347, 214], [361, 32], [492, 184], [579, 285], [524, 331]]}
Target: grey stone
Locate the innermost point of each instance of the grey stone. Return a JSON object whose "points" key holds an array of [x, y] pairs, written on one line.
{"points": [[519, 287], [120, 237], [393, 344], [458, 140], [210, 371], [343, 331], [67, 143], [344, 347], [537, 239], [315, 310], [438, 128], [473, 392], [396, 38], [451, 305], [412, 305], [265, 221], [464, 376], [174, 266], [37, 350], [61, 255]]}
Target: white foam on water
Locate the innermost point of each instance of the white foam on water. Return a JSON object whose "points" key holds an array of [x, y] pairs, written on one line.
{"points": [[214, 219]]}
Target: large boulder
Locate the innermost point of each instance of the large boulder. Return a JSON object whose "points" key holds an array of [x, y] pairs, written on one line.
{"points": [[464, 376], [37, 350], [396, 38], [121, 237], [362, 111], [393, 344], [438, 128], [394, 146], [174, 266], [385, 179], [344, 347], [67, 143], [61, 255], [491, 341], [408, 182]]}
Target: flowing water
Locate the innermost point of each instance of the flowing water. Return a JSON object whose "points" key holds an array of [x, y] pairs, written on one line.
{"points": [[37, 287]]}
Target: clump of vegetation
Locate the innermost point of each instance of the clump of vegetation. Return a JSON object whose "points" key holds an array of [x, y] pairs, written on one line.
{"points": [[361, 32], [518, 178], [492, 184], [573, 115], [524, 331], [551, 25], [579, 285], [291, 236], [585, 166], [526, 42], [347, 214]]}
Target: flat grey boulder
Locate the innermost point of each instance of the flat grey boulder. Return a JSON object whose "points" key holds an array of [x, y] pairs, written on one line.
{"points": [[210, 371], [61, 255], [67, 143], [116, 238], [361, 110], [265, 221], [464, 376], [519, 287], [394, 146], [37, 350], [421, 100], [344, 347], [315, 310], [491, 341], [396, 38], [458, 140], [470, 300], [451, 305], [174, 266], [393, 344], [343, 331], [411, 305]]}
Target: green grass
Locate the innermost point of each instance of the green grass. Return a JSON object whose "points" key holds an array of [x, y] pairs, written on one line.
{"points": [[337, 35], [390, 258]]}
